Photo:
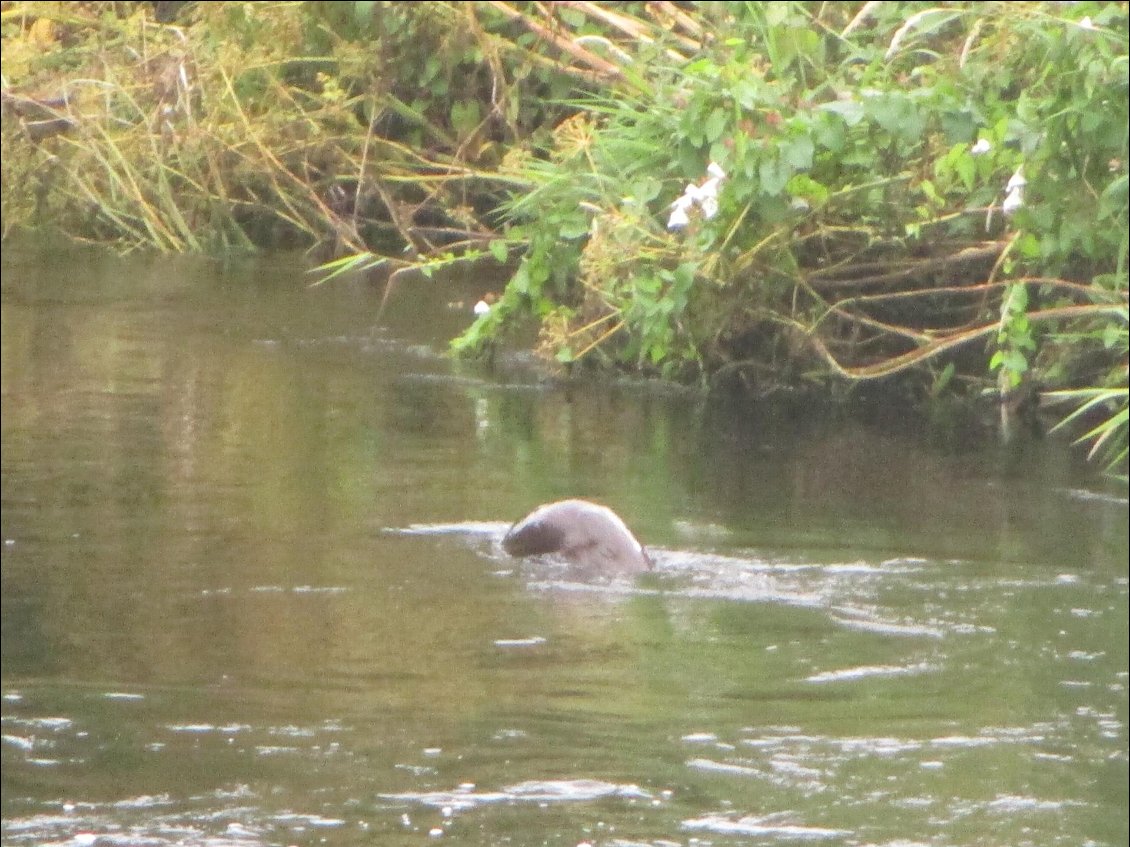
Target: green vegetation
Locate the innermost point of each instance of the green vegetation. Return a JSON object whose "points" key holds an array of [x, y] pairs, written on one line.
{"points": [[934, 197]]}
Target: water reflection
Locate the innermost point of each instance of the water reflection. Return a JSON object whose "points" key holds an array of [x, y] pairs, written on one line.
{"points": [[252, 594]]}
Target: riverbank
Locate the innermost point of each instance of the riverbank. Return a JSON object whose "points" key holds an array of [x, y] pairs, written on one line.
{"points": [[768, 199]]}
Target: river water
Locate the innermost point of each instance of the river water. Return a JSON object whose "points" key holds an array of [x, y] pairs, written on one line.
{"points": [[253, 594]]}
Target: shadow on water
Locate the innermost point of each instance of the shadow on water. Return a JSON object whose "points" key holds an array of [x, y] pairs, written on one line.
{"points": [[253, 594]]}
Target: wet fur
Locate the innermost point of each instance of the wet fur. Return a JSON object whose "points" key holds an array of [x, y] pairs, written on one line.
{"points": [[587, 535]]}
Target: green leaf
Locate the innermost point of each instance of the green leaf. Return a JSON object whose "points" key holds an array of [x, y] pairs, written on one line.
{"points": [[850, 110], [830, 132], [700, 67], [715, 125], [897, 114], [363, 11], [773, 176], [498, 249], [1028, 246], [797, 152], [684, 275], [465, 116], [648, 284], [942, 380], [966, 169], [747, 92], [520, 282], [575, 226], [803, 185], [647, 189], [1015, 362]]}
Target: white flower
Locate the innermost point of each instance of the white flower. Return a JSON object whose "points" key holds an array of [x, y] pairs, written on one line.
{"points": [[1014, 198], [709, 206], [708, 197], [482, 307], [704, 196], [679, 217], [981, 147], [1087, 23]]}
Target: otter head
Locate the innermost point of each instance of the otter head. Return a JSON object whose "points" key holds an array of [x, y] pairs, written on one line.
{"points": [[588, 536]]}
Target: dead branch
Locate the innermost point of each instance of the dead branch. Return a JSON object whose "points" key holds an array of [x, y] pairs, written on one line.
{"points": [[986, 252], [590, 60]]}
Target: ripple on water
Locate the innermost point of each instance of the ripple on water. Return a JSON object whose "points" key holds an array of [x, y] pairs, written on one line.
{"points": [[293, 820], [532, 791], [227, 591], [867, 671], [780, 771], [532, 641], [869, 623], [50, 724], [1099, 496], [794, 761], [20, 742], [226, 816], [844, 591], [474, 528], [204, 728], [765, 827], [754, 587]]}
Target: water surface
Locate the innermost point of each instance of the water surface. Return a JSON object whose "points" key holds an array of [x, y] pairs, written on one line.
{"points": [[252, 594]]}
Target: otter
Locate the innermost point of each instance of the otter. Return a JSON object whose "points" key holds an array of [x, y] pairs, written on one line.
{"points": [[589, 536]]}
